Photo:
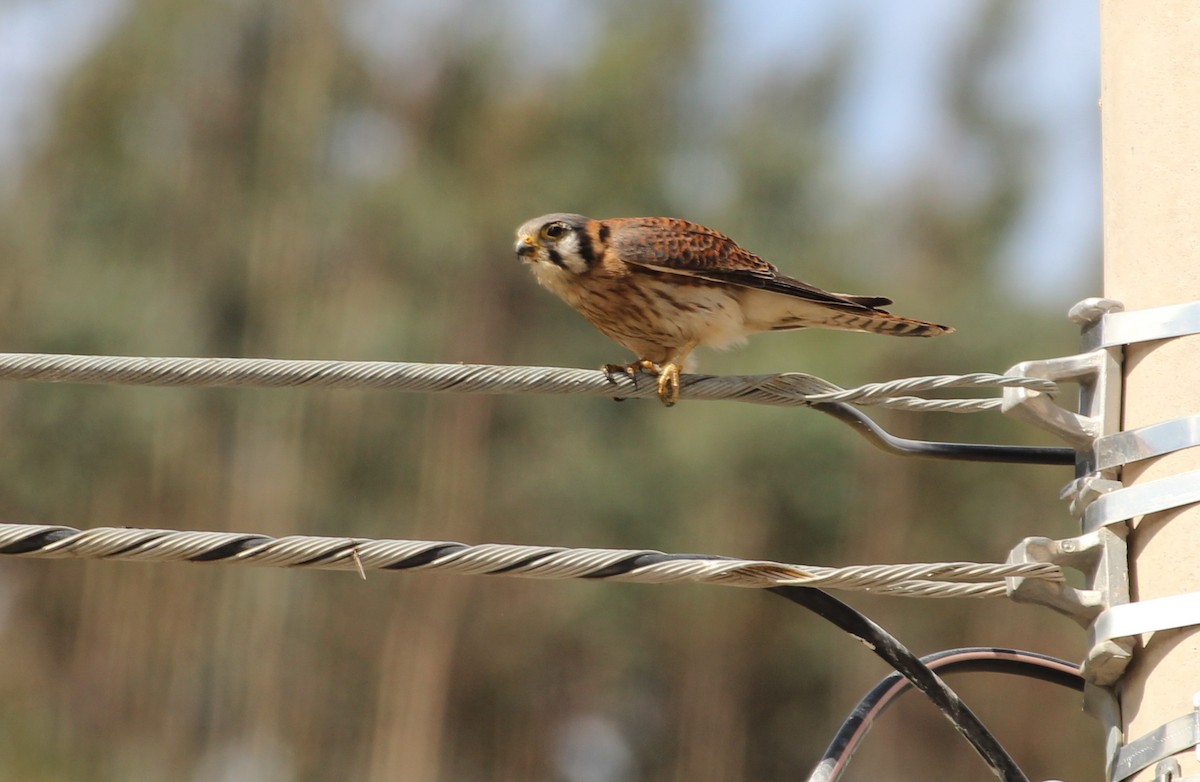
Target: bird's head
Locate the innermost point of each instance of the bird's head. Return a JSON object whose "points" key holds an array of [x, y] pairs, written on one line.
{"points": [[556, 240]]}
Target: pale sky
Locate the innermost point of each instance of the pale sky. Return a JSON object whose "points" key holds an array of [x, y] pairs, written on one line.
{"points": [[891, 120]]}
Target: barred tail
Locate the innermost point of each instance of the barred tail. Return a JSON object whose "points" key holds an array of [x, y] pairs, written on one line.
{"points": [[884, 323], [767, 311]]}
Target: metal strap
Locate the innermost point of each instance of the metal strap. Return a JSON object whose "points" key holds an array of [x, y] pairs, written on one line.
{"points": [[1176, 736], [1134, 445], [1124, 328], [1124, 504], [1147, 616]]}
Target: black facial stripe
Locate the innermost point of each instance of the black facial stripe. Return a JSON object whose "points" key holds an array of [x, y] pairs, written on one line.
{"points": [[556, 258], [585, 247], [604, 232]]}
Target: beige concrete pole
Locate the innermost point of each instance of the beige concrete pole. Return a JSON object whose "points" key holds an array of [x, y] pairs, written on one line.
{"points": [[1150, 108]]}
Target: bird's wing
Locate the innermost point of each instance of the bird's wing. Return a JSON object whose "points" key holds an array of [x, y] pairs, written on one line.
{"points": [[678, 247]]}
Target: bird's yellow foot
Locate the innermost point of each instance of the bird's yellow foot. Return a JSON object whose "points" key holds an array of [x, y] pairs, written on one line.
{"points": [[668, 384], [631, 370]]}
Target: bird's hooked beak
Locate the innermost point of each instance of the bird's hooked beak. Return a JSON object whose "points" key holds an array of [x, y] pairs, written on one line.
{"points": [[526, 247]]}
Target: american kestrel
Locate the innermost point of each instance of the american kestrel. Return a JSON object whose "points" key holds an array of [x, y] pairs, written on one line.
{"points": [[663, 287]]}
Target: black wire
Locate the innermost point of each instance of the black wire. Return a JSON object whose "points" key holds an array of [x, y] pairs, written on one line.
{"points": [[1017, 663], [963, 452], [882, 643]]}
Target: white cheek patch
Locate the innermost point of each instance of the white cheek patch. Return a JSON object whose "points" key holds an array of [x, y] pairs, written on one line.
{"points": [[568, 248]]}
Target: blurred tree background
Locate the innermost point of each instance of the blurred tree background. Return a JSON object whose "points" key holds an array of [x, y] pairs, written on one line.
{"points": [[260, 179]]}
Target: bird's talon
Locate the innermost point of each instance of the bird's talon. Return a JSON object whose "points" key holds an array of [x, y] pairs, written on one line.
{"points": [[646, 365], [612, 370], [668, 385], [629, 370]]}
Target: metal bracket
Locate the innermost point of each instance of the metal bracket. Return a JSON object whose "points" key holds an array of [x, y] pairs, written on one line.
{"points": [[1033, 407], [1098, 374], [1103, 506], [1102, 703], [1101, 556]]}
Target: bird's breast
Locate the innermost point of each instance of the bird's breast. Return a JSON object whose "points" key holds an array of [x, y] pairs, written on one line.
{"points": [[555, 279], [654, 308]]}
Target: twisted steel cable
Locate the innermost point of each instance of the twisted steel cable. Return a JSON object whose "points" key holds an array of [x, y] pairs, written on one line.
{"points": [[786, 389], [943, 579]]}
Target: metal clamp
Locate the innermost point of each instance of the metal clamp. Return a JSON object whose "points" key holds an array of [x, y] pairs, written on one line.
{"points": [[1102, 505], [1101, 556], [1099, 553], [1098, 374], [1033, 407], [1082, 492]]}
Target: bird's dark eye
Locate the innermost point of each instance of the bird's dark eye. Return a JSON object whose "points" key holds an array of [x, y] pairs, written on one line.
{"points": [[554, 231]]}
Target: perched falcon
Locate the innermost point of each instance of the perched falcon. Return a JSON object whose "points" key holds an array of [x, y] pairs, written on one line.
{"points": [[663, 287]]}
